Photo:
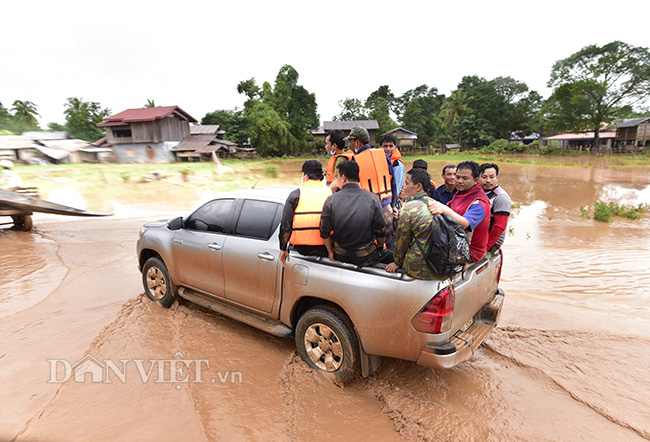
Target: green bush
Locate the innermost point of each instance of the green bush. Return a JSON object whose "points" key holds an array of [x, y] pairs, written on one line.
{"points": [[606, 211], [504, 146], [271, 171]]}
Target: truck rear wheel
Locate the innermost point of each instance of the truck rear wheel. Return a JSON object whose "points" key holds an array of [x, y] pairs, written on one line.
{"points": [[326, 341]]}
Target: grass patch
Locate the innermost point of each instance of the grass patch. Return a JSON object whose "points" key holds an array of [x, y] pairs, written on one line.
{"points": [[604, 212]]}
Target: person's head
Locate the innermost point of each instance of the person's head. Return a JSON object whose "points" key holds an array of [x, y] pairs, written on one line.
{"points": [[420, 164], [466, 175], [449, 175], [358, 137], [415, 181], [334, 142], [6, 164], [388, 142], [349, 171], [313, 170], [488, 176]]}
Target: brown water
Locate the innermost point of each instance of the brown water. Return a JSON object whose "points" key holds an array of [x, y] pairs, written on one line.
{"points": [[568, 362]]}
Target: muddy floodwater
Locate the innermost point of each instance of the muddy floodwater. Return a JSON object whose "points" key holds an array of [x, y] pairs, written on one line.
{"points": [[569, 361]]}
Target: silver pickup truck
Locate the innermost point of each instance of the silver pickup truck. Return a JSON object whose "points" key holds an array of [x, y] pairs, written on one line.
{"points": [[224, 256]]}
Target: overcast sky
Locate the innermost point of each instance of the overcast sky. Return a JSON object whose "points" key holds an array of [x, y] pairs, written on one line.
{"points": [[194, 53]]}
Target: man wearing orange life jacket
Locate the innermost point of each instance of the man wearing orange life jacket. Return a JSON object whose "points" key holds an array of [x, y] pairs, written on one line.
{"points": [[335, 146], [300, 224], [376, 175], [388, 142]]}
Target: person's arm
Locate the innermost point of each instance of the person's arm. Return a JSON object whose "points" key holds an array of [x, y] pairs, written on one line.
{"points": [[403, 238], [393, 185], [286, 225], [438, 207], [326, 227], [499, 226], [399, 176], [329, 247], [378, 224]]}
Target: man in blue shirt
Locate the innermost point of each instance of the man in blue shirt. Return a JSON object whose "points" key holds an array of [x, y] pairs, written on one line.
{"points": [[446, 192]]}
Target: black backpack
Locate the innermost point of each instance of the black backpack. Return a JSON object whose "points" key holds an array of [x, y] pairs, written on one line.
{"points": [[448, 248]]}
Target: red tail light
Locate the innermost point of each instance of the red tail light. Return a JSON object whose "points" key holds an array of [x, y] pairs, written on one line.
{"points": [[436, 315]]}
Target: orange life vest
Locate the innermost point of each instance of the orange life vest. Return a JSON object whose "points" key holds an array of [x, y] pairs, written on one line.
{"points": [[331, 165], [373, 172], [397, 155], [306, 218]]}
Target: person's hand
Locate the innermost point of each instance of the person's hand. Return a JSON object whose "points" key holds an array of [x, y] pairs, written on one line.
{"points": [[395, 212], [284, 256], [392, 267], [438, 207], [331, 257]]}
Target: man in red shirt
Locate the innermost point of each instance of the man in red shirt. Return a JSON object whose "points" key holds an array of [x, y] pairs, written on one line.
{"points": [[470, 207]]}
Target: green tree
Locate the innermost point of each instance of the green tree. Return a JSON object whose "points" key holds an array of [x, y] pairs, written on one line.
{"points": [[81, 118], [596, 84], [25, 115], [270, 134], [418, 111], [7, 121], [351, 109], [380, 111], [278, 118], [231, 121], [454, 107], [294, 103], [150, 103]]}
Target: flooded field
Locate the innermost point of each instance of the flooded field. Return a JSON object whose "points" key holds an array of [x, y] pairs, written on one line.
{"points": [[568, 362]]}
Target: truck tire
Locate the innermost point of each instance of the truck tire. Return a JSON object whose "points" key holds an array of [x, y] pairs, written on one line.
{"points": [[23, 223], [326, 341], [157, 284]]}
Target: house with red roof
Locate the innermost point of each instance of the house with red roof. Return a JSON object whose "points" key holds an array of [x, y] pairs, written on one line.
{"points": [[147, 135]]}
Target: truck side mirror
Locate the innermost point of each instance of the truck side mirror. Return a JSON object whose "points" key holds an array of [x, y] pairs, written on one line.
{"points": [[175, 223]]}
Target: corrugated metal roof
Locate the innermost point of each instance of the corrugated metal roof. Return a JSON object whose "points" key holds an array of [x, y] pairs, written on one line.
{"points": [[348, 125], [402, 130], [204, 129], [582, 136], [46, 135], [145, 114], [57, 154], [193, 142], [631, 122], [66, 145], [17, 142], [218, 144]]}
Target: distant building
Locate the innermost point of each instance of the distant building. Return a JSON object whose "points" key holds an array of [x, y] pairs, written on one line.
{"points": [[346, 126], [632, 134], [405, 138], [18, 148], [147, 135], [582, 140]]}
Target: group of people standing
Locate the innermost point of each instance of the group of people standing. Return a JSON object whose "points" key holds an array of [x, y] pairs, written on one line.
{"points": [[351, 218]]}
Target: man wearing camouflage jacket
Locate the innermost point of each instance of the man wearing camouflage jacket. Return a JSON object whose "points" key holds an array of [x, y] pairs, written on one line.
{"points": [[414, 225]]}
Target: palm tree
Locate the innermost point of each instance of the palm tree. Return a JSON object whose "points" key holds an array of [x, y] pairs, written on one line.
{"points": [[25, 114], [453, 108], [150, 103]]}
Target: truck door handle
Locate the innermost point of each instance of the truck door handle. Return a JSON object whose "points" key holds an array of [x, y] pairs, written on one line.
{"points": [[214, 246], [178, 241], [266, 256]]}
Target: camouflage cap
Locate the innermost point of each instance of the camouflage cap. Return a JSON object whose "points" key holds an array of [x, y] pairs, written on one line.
{"points": [[359, 133]]}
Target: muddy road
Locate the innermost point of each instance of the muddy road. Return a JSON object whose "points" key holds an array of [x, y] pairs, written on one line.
{"points": [[569, 361]]}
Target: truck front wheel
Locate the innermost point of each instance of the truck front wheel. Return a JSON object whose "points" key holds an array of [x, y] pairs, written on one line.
{"points": [[326, 341], [157, 284]]}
